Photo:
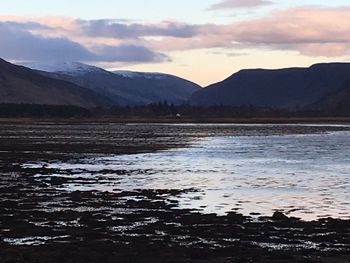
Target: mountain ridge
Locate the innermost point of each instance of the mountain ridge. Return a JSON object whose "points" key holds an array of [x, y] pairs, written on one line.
{"points": [[124, 88], [289, 88]]}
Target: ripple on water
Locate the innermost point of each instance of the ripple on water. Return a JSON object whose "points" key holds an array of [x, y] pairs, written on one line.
{"points": [[305, 176]]}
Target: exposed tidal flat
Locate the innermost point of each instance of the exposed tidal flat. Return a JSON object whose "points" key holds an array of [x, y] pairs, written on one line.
{"points": [[174, 192]]}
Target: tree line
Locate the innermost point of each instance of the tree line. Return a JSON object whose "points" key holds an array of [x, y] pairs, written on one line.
{"points": [[164, 109]]}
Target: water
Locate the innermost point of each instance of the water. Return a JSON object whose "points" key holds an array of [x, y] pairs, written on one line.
{"points": [[306, 176]]}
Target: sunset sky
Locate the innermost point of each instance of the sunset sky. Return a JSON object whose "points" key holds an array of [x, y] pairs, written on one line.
{"points": [[201, 40]]}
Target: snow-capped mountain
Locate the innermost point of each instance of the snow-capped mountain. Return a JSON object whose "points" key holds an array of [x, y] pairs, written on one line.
{"points": [[67, 67], [122, 87], [21, 85]]}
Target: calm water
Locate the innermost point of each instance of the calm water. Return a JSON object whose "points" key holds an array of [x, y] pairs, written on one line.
{"points": [[307, 176]]}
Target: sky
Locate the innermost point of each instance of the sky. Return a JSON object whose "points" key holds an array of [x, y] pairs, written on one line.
{"points": [[202, 40]]}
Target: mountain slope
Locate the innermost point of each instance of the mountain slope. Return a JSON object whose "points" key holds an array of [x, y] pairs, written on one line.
{"points": [[155, 87], [22, 85], [338, 102], [282, 88], [122, 87]]}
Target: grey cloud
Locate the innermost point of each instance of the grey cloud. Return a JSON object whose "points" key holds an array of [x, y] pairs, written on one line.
{"points": [[17, 43], [110, 28], [129, 53]]}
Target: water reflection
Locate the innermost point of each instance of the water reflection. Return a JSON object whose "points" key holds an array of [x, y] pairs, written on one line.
{"points": [[303, 175]]}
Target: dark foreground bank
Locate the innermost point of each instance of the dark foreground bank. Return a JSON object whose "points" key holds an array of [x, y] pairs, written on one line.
{"points": [[181, 236], [41, 222]]}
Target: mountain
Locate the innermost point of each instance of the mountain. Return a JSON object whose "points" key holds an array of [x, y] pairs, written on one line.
{"points": [[155, 87], [282, 88], [122, 87], [21, 85]]}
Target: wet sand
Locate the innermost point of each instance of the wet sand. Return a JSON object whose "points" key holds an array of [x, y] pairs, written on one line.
{"points": [[41, 223]]}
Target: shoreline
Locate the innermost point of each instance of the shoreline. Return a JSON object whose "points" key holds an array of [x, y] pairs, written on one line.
{"points": [[174, 120]]}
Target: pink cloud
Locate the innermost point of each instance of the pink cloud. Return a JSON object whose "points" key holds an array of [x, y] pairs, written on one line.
{"points": [[311, 31], [324, 50], [296, 26]]}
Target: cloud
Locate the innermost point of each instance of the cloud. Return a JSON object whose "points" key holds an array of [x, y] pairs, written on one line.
{"points": [[229, 54], [111, 28], [326, 30], [233, 4], [296, 26], [128, 53], [311, 31], [18, 43]]}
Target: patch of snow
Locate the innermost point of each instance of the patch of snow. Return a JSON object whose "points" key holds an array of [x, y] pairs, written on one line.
{"points": [[70, 68]]}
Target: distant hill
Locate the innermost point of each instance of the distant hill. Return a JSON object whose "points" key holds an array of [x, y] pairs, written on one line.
{"points": [[20, 85], [122, 87], [291, 88], [337, 102]]}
